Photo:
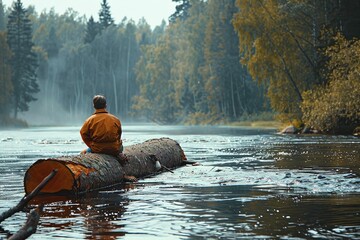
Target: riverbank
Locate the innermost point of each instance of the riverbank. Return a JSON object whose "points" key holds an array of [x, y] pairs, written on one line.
{"points": [[257, 124], [283, 128], [8, 122]]}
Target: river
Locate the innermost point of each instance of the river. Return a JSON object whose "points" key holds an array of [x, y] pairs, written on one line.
{"points": [[250, 183]]}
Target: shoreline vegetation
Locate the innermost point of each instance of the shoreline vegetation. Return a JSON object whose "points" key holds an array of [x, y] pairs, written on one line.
{"points": [[281, 127], [257, 124], [9, 122], [263, 121]]}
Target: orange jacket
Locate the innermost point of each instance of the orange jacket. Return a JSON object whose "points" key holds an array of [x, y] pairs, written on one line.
{"points": [[102, 133]]}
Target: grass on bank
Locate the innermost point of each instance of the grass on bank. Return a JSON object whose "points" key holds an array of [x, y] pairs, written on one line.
{"points": [[260, 120], [258, 124], [8, 122]]}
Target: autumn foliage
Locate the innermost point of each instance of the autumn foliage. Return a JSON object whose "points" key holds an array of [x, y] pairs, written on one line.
{"points": [[310, 77], [335, 107]]}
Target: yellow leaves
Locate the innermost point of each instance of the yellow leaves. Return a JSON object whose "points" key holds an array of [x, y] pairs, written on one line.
{"points": [[40, 32], [336, 105], [140, 103], [40, 52], [200, 118], [156, 99], [276, 50]]}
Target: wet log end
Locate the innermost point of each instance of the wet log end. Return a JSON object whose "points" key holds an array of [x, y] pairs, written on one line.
{"points": [[63, 180]]}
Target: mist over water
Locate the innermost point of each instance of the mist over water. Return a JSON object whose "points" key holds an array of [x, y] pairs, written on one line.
{"points": [[251, 183], [48, 110]]}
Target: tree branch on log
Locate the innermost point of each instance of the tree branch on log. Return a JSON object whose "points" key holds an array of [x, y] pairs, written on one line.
{"points": [[30, 226], [20, 206], [167, 169], [186, 162], [3, 231]]}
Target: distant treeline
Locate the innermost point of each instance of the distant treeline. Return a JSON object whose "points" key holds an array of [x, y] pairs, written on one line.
{"points": [[216, 61]]}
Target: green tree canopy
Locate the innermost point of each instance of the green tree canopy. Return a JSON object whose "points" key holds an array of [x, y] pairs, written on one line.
{"points": [[193, 72], [23, 60], [2, 17], [92, 29], [6, 87], [105, 17], [52, 43], [182, 10]]}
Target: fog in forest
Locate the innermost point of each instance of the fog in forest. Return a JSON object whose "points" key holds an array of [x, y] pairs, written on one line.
{"points": [[49, 108], [49, 111]]}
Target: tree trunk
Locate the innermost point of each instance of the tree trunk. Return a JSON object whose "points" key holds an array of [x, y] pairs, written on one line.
{"points": [[92, 171]]}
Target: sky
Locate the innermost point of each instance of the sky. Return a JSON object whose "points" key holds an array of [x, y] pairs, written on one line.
{"points": [[154, 11]]}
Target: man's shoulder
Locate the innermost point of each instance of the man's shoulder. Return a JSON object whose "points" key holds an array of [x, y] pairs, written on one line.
{"points": [[113, 116], [90, 117], [102, 115]]}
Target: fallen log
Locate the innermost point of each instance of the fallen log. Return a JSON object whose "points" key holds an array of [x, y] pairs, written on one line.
{"points": [[91, 171]]}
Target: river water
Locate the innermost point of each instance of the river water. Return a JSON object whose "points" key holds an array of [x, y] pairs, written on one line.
{"points": [[251, 183]]}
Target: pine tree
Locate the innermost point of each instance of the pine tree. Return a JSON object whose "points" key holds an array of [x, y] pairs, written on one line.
{"points": [[2, 17], [5, 76], [92, 29], [182, 10], [23, 60], [51, 44], [105, 17]]}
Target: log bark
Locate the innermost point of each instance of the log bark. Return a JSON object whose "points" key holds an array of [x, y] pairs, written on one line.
{"points": [[91, 171]]}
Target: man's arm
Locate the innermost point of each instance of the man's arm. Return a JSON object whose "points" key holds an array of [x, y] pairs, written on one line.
{"points": [[84, 132], [120, 132]]}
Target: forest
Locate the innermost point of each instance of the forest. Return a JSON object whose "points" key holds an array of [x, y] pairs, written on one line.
{"points": [[217, 61]]}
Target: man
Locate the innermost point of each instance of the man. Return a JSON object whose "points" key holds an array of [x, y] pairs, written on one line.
{"points": [[101, 132]]}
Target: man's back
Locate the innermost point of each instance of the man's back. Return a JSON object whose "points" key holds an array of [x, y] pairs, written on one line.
{"points": [[101, 132], [104, 127]]}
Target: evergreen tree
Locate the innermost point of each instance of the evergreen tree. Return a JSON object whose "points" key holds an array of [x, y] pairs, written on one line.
{"points": [[105, 17], [51, 44], [5, 76], [92, 29], [226, 80], [182, 10], [23, 60], [190, 93], [2, 17]]}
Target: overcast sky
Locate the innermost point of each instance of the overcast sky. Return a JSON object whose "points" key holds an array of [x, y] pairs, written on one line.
{"points": [[154, 11]]}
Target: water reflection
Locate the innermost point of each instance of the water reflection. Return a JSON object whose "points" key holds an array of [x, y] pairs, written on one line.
{"points": [[92, 216], [319, 154], [294, 216]]}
